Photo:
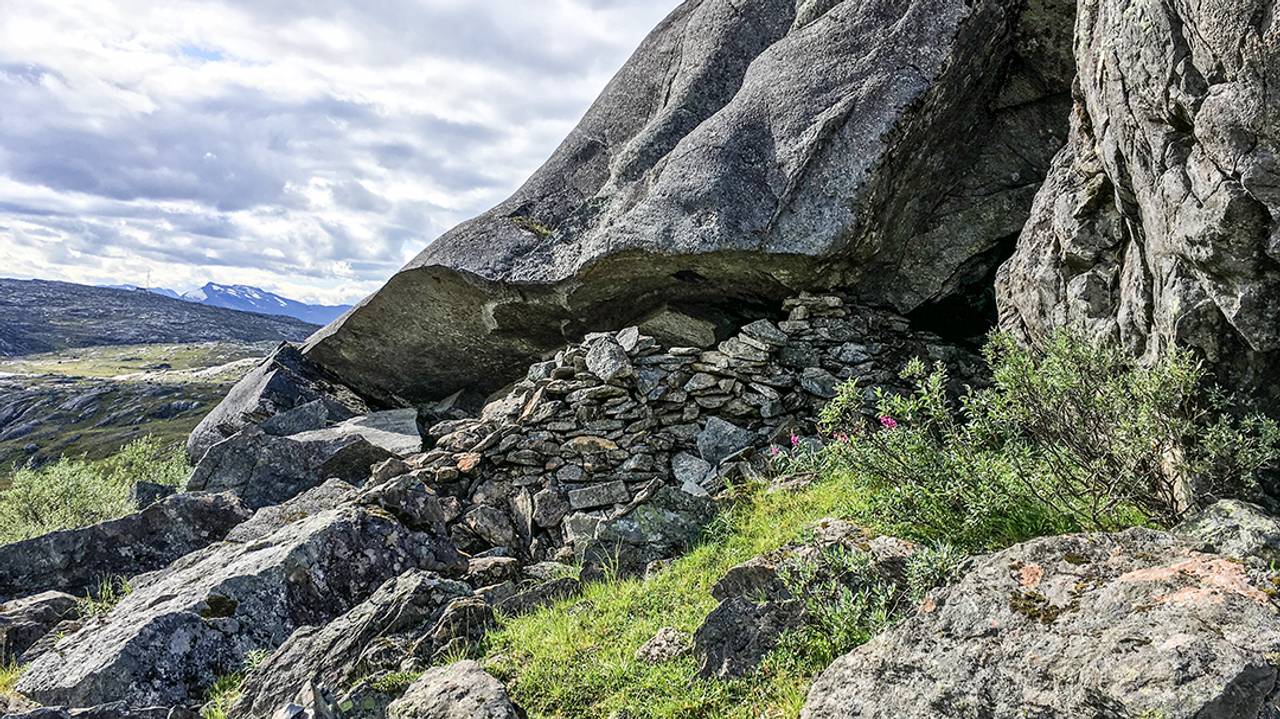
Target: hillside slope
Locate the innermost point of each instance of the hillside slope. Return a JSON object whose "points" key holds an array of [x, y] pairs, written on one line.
{"points": [[42, 316]]}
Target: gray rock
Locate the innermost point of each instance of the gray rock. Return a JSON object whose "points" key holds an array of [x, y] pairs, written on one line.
{"points": [[539, 595], [458, 691], [608, 360], [1159, 222], [336, 654], [75, 560], [599, 495], [394, 430], [316, 414], [284, 381], [819, 382], [721, 439], [743, 152], [738, 633], [267, 520], [689, 471], [145, 494], [676, 329], [180, 628], [113, 710], [1139, 623], [669, 643], [263, 470], [1235, 529], [656, 527], [25, 621], [549, 508]]}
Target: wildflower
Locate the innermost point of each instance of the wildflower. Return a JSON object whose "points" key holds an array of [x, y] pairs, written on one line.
{"points": [[774, 451], [888, 422], [795, 440], [842, 437]]}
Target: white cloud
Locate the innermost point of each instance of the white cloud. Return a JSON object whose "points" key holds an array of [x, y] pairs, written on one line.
{"points": [[306, 146]]}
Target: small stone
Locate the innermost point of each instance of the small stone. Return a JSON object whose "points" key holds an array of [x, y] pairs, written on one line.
{"points": [[588, 444], [739, 350], [468, 462], [491, 525], [599, 495], [819, 382], [765, 332], [720, 440], [628, 339], [608, 360], [700, 382], [549, 508], [668, 644], [689, 470]]}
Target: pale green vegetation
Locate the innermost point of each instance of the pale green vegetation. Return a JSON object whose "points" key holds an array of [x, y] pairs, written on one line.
{"points": [[9, 673], [1068, 438], [78, 492], [108, 594]]}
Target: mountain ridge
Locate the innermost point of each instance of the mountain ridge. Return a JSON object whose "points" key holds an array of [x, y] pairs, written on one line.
{"points": [[248, 298]]}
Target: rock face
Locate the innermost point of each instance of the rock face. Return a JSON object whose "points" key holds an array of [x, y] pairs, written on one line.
{"points": [[285, 388], [749, 149], [182, 627], [1133, 624], [262, 469], [389, 624], [1159, 224], [458, 691], [24, 621], [75, 560]]}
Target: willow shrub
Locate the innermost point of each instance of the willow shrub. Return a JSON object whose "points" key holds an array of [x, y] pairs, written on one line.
{"points": [[1068, 436], [74, 493]]}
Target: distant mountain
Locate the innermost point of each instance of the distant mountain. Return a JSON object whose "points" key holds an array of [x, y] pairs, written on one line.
{"points": [[162, 291], [42, 316], [254, 299]]}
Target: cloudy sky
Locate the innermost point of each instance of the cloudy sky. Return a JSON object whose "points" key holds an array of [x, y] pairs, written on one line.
{"points": [[306, 146]]}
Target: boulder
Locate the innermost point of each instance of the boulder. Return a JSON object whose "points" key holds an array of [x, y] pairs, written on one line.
{"points": [[262, 469], [746, 150], [738, 633], [336, 654], [1159, 223], [180, 628], [457, 691], [659, 525], [284, 381], [75, 560], [1236, 529], [1136, 624], [268, 520], [395, 430], [24, 621], [668, 644]]}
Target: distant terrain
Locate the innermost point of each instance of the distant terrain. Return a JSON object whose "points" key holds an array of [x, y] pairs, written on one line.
{"points": [[250, 299], [42, 316], [91, 401]]}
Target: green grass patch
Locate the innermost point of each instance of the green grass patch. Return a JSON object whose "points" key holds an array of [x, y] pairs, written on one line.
{"points": [[74, 493], [9, 674]]}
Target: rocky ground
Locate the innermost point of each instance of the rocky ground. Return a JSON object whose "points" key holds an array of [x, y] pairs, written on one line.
{"points": [[91, 401]]}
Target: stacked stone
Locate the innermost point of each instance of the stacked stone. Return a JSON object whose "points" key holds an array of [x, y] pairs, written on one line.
{"points": [[591, 432]]}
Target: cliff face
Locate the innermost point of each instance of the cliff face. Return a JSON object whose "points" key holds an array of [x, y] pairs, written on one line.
{"points": [[1159, 224], [746, 151]]}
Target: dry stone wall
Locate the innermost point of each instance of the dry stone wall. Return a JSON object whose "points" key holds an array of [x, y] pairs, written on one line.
{"points": [[593, 433]]}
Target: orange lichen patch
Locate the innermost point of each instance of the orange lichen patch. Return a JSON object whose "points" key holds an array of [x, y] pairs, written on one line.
{"points": [[1029, 575], [1215, 578], [928, 606], [468, 462]]}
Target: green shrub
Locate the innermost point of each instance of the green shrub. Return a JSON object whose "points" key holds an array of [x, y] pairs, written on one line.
{"points": [[75, 492], [1069, 436]]}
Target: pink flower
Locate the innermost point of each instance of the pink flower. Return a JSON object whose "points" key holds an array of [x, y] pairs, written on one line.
{"points": [[842, 437], [888, 422], [795, 440], [773, 451]]}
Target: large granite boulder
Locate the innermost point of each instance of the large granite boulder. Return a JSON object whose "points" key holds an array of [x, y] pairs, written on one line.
{"points": [[76, 560], [262, 469], [285, 383], [1159, 223], [404, 609], [458, 691], [1135, 624], [180, 628], [748, 149]]}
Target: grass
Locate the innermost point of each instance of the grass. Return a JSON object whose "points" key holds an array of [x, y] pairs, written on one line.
{"points": [[111, 590], [114, 361], [226, 689], [9, 673], [577, 658]]}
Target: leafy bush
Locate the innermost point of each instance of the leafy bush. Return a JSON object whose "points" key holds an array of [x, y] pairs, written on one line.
{"points": [[75, 492], [1069, 436]]}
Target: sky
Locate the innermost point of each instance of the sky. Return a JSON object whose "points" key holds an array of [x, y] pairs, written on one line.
{"points": [[308, 147]]}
